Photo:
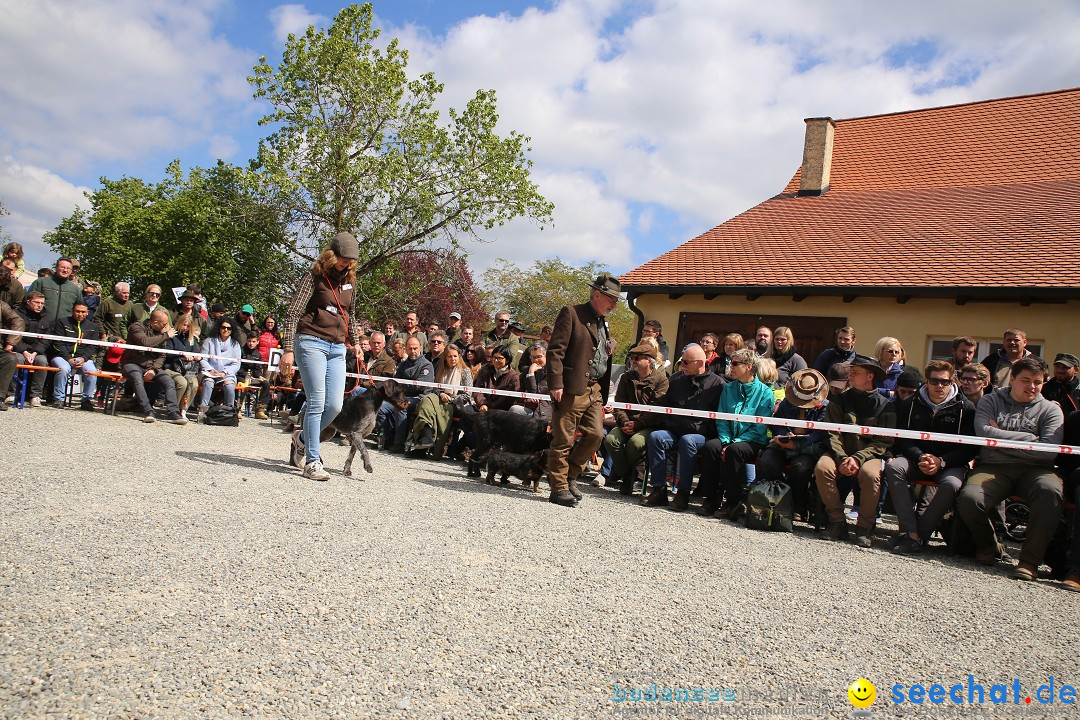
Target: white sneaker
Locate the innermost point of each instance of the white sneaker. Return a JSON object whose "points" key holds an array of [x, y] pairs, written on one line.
{"points": [[314, 471], [149, 419], [297, 451], [183, 413], [598, 481], [35, 402]]}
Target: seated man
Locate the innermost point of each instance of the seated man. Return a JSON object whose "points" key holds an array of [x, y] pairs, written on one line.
{"points": [[381, 365], [392, 422], [32, 350], [974, 382], [855, 455], [11, 290], [1017, 412], [793, 452], [937, 407], [737, 444], [9, 320], [693, 387], [643, 383], [141, 366], [75, 355], [1064, 387]]}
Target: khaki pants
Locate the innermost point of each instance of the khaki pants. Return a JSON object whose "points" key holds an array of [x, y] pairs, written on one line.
{"points": [[869, 479], [583, 412]]}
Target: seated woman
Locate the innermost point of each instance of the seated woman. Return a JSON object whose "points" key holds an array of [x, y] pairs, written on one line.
{"points": [[806, 396], [221, 368], [722, 363], [891, 356], [643, 383], [434, 414], [495, 375], [183, 369], [725, 457], [253, 373], [475, 357], [787, 359]]}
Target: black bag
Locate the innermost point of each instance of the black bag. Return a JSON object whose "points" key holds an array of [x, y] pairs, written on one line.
{"points": [[769, 506], [222, 415]]}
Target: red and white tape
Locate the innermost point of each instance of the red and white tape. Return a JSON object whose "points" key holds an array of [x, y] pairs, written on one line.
{"points": [[704, 414]]}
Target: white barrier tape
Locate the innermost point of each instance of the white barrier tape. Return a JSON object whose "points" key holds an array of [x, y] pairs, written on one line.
{"points": [[708, 415], [760, 420], [106, 343]]}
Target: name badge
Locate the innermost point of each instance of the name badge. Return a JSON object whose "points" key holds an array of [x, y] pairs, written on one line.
{"points": [[346, 286], [331, 308]]}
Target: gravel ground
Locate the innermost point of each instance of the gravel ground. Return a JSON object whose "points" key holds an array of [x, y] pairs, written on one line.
{"points": [[164, 571]]}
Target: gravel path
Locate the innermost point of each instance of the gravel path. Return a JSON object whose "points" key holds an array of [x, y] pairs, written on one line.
{"points": [[164, 571]]}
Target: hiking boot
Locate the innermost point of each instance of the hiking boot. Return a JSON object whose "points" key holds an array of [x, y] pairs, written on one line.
{"points": [[87, 404], [680, 503], [573, 488], [906, 545], [564, 498], [837, 530], [1072, 581], [730, 510], [657, 497], [863, 536], [314, 471], [426, 439], [987, 555], [260, 413], [296, 449], [709, 507]]}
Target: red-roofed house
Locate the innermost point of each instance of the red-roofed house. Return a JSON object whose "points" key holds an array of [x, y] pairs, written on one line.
{"points": [[923, 225]]}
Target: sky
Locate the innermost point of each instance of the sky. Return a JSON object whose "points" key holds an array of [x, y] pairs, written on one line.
{"points": [[651, 121]]}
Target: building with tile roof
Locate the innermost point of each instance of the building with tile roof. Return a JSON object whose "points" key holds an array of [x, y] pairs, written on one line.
{"points": [[922, 225]]}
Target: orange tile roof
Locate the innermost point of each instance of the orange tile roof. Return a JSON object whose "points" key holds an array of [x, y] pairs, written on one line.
{"points": [[926, 199]]}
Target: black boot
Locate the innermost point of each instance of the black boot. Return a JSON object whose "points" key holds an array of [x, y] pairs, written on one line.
{"points": [[709, 507], [628, 482], [680, 503], [426, 438], [657, 497]]}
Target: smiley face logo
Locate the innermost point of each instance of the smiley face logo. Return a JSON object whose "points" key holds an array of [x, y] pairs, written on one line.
{"points": [[862, 693]]}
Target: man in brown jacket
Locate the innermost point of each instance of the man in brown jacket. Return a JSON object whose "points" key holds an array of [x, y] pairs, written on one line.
{"points": [[9, 320], [578, 375]]}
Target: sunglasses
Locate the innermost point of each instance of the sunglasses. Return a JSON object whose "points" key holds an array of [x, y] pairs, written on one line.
{"points": [[153, 294], [226, 327], [940, 382]]}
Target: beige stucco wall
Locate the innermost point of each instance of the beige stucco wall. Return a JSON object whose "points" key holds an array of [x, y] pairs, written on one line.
{"points": [[914, 323]]}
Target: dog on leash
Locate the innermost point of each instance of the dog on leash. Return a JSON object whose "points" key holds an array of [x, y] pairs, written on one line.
{"points": [[527, 467], [357, 419], [509, 431]]}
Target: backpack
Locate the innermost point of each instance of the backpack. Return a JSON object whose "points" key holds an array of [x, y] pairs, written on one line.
{"points": [[769, 506], [222, 415]]}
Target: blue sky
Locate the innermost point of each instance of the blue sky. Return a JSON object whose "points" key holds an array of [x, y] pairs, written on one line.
{"points": [[651, 121]]}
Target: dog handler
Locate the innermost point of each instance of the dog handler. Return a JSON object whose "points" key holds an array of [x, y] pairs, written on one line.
{"points": [[579, 371], [316, 328]]}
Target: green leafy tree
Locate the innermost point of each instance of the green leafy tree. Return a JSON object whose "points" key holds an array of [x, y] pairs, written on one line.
{"points": [[359, 146], [534, 296], [209, 228]]}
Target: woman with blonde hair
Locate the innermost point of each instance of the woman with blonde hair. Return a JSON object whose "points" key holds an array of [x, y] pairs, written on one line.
{"points": [[891, 356], [435, 413], [317, 328], [184, 369], [788, 360], [722, 364]]}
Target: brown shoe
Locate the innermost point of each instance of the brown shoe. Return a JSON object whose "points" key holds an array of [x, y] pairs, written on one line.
{"points": [[1072, 581], [572, 485], [1024, 571], [987, 555], [564, 498]]}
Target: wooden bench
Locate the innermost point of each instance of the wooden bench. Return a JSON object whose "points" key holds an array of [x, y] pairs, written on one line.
{"points": [[22, 379]]}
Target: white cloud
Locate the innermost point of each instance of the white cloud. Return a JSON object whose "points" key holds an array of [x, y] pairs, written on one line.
{"points": [[696, 106], [294, 18], [34, 196]]}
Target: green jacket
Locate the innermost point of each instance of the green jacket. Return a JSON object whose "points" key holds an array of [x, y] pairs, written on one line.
{"points": [[854, 407], [60, 297], [112, 316]]}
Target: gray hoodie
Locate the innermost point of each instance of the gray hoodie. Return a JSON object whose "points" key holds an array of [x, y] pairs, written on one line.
{"points": [[1037, 421]]}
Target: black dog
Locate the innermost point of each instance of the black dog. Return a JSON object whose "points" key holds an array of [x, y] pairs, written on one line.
{"points": [[357, 419], [514, 433], [528, 467]]}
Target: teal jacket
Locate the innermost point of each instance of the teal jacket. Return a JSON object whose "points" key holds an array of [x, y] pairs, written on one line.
{"points": [[752, 398]]}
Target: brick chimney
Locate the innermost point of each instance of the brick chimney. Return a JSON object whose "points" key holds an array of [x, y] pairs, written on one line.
{"points": [[817, 156]]}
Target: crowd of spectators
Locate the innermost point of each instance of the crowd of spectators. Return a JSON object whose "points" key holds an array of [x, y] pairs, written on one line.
{"points": [[1010, 394]]}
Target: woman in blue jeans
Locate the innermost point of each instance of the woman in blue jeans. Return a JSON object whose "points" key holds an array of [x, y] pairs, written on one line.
{"points": [[314, 333]]}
